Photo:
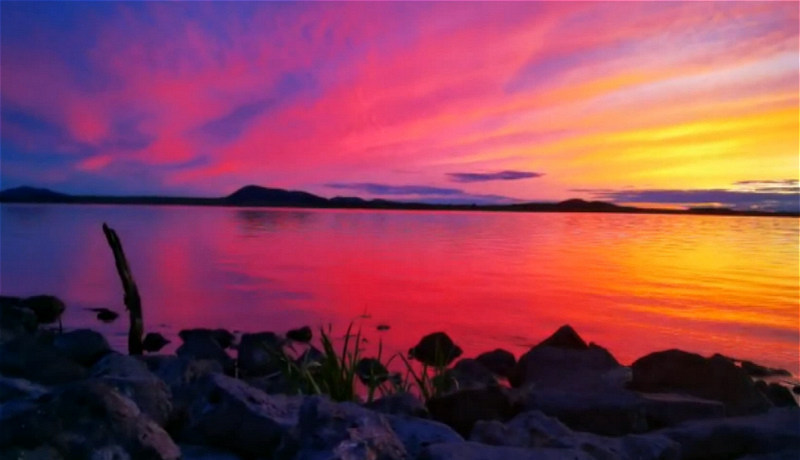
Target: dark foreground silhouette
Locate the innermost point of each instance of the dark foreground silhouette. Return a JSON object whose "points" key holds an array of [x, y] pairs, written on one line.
{"points": [[69, 395]]}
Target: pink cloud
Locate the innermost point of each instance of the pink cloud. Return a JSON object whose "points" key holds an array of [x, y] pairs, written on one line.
{"points": [[364, 89]]}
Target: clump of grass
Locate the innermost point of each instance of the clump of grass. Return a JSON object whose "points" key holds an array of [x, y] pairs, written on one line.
{"points": [[336, 373]]}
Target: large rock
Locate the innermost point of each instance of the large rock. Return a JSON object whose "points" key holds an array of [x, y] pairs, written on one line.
{"points": [[776, 432], [47, 308], [38, 453], [83, 346], [176, 371], [467, 374], [533, 429], [328, 430], [565, 337], [84, 418], [180, 375], [499, 361], [222, 337], [36, 360], [756, 370], [667, 409], [401, 403], [528, 429], [258, 354], [15, 321], [436, 349], [601, 411], [13, 388], [564, 360], [717, 378], [778, 395], [193, 452], [462, 409], [154, 342], [478, 451], [207, 344], [416, 433], [132, 379], [230, 414], [616, 412]]}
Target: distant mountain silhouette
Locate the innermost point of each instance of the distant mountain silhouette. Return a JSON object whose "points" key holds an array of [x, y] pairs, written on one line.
{"points": [[31, 194], [254, 195]]}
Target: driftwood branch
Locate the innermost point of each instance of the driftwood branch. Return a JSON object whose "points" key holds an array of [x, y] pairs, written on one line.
{"points": [[132, 301]]}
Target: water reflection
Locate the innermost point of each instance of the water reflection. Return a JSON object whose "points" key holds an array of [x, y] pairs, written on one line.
{"points": [[631, 283]]}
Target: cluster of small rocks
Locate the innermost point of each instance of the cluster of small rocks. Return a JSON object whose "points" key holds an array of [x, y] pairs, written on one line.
{"points": [[69, 395]]}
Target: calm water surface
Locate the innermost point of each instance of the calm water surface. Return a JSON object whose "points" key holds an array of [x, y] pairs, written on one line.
{"points": [[632, 283]]}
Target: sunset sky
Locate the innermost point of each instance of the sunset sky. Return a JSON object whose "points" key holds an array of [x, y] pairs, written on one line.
{"points": [[634, 102]]}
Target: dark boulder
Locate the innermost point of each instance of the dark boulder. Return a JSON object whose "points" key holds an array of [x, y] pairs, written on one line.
{"points": [[302, 334], [47, 308], [534, 430], [416, 434], [194, 452], [259, 354], [223, 337], [206, 344], [565, 337], [604, 411], [342, 431], [178, 372], [460, 410], [154, 342], [311, 355], [778, 395], [104, 314], [180, 375], [13, 388], [371, 372], [667, 409], [499, 361], [87, 419], [715, 378], [38, 361], [466, 374], [133, 379], [10, 301], [478, 451], [775, 432], [756, 370], [567, 366], [229, 414], [401, 403], [83, 346], [436, 349], [16, 321]]}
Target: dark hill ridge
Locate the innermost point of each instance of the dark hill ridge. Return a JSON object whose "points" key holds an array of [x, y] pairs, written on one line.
{"points": [[253, 195], [30, 193], [257, 196]]}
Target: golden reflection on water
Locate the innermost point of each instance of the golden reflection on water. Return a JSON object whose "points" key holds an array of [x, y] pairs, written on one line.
{"points": [[632, 283]]}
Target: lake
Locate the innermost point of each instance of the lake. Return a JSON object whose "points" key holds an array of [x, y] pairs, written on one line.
{"points": [[632, 283]]}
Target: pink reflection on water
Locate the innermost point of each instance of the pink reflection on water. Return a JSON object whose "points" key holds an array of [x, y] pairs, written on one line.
{"points": [[634, 284]]}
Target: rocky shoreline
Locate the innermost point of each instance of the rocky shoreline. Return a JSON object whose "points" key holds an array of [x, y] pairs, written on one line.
{"points": [[68, 395]]}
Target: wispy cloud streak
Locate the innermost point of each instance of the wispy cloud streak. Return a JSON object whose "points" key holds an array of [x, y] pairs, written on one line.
{"points": [[486, 177]]}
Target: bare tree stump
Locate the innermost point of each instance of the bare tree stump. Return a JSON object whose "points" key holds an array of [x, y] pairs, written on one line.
{"points": [[132, 300]]}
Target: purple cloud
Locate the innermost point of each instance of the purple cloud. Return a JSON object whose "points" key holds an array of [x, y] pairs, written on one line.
{"points": [[423, 193], [735, 199], [500, 175]]}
